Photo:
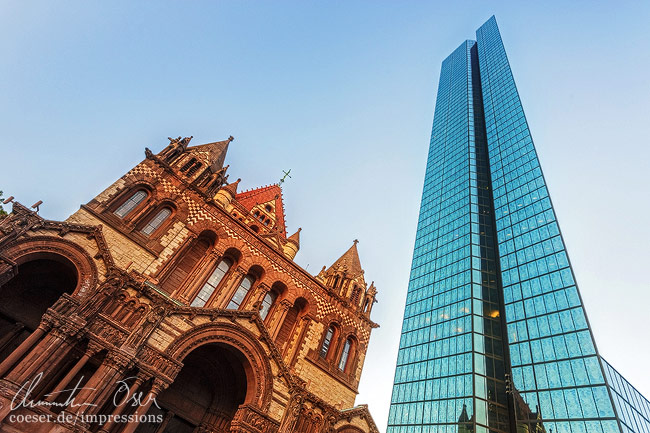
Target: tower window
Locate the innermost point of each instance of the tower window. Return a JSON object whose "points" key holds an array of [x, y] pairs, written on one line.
{"points": [[126, 207], [194, 169], [242, 291], [343, 363], [325, 348], [156, 221], [267, 303], [211, 285], [187, 165]]}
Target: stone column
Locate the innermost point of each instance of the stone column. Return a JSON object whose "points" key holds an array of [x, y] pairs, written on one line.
{"points": [[157, 386], [100, 385], [50, 350], [93, 394], [123, 404], [229, 286], [304, 326], [278, 318], [22, 349], [256, 296], [72, 373]]}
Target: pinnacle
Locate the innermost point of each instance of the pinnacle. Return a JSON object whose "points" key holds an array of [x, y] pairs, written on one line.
{"points": [[232, 187], [296, 237]]}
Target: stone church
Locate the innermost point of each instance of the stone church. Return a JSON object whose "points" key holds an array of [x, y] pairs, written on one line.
{"points": [[171, 302]]}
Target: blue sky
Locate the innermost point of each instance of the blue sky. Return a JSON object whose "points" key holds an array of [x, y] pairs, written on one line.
{"points": [[342, 93]]}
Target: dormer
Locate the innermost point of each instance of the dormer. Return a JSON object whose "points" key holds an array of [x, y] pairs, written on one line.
{"points": [[262, 210]]}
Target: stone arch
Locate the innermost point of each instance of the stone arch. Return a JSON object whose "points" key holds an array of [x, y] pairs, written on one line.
{"points": [[186, 259], [225, 242], [45, 269], [136, 176], [202, 225], [57, 249], [294, 293], [255, 360], [122, 193]]}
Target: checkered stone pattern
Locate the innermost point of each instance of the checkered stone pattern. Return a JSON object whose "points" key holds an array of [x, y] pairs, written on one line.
{"points": [[144, 170], [325, 308], [196, 212]]}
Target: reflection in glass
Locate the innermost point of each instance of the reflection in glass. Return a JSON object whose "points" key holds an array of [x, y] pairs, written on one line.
{"points": [[130, 204], [212, 283], [241, 292]]}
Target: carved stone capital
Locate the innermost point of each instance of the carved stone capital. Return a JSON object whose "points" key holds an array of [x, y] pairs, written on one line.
{"points": [[250, 419], [119, 359]]}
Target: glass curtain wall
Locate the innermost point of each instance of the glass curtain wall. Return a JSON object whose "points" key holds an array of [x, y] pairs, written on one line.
{"points": [[495, 337]]}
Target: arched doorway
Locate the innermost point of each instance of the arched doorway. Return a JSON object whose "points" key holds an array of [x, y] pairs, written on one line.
{"points": [[206, 393], [38, 284]]}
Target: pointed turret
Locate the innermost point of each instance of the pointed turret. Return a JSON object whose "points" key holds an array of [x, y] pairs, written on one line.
{"points": [[346, 278], [212, 155], [465, 422], [349, 262], [201, 165], [369, 300], [293, 245], [226, 194]]}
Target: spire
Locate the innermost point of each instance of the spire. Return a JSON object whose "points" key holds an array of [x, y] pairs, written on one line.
{"points": [[349, 261], [464, 417], [232, 187], [292, 245], [213, 154], [295, 238]]}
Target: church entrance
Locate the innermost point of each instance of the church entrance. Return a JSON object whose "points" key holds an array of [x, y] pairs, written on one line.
{"points": [[205, 395], [24, 299]]}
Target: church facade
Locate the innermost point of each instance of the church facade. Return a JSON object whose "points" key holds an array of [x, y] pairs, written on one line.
{"points": [[171, 303]]}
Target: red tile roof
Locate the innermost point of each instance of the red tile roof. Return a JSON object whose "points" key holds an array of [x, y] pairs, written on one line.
{"points": [[250, 199]]}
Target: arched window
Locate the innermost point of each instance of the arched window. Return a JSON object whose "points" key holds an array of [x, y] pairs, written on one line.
{"points": [[130, 204], [177, 270], [267, 303], [325, 348], [288, 326], [241, 292], [343, 363], [194, 169], [187, 165], [156, 221], [356, 292], [212, 283]]}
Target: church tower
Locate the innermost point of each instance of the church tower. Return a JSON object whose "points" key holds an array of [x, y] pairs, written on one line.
{"points": [[174, 286]]}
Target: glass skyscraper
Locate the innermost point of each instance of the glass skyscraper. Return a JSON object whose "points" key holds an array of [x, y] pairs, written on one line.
{"points": [[495, 337]]}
